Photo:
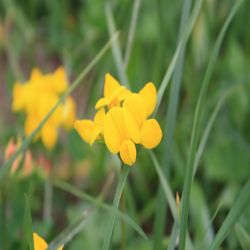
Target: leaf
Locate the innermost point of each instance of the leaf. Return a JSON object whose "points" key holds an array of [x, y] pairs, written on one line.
{"points": [[28, 227]]}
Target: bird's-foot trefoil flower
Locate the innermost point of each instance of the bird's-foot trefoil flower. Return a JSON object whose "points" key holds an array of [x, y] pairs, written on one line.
{"points": [[126, 122]]}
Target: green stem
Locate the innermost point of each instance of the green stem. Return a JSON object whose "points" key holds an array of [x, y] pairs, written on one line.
{"points": [[123, 224], [119, 189], [4, 224]]}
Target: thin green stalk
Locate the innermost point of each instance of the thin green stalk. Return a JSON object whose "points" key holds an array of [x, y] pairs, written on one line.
{"points": [[123, 224], [119, 189], [47, 205], [160, 221], [116, 50], [131, 33], [196, 124], [6, 167]]}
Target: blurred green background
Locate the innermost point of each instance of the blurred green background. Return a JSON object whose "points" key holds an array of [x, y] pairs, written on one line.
{"points": [[47, 34]]}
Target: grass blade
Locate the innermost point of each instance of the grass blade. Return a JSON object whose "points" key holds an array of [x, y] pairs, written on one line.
{"points": [[28, 228], [71, 231], [165, 185], [183, 40], [196, 123], [80, 194], [174, 236], [136, 7], [119, 189], [6, 167], [243, 237], [240, 205], [116, 49]]}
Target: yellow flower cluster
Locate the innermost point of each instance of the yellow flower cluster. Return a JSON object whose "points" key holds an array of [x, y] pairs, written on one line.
{"points": [[37, 96], [122, 120], [40, 243]]}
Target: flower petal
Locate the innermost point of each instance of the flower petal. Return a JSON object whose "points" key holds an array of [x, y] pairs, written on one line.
{"points": [[39, 242], [136, 106], [96, 131], [101, 103], [68, 113], [84, 129], [151, 134], [114, 131], [132, 126], [49, 135], [149, 95], [128, 152], [99, 117], [110, 85]]}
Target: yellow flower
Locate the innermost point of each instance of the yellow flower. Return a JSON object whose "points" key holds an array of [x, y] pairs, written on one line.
{"points": [[89, 130], [128, 125], [37, 96], [114, 93], [126, 122], [40, 243]]}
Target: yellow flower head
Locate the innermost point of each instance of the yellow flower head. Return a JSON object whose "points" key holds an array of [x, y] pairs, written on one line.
{"points": [[37, 96], [40, 243], [126, 122]]}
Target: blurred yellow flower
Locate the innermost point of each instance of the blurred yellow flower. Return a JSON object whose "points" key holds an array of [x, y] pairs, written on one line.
{"points": [[126, 122], [40, 243], [37, 96]]}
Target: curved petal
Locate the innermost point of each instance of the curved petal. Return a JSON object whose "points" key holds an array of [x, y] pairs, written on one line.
{"points": [[68, 113], [31, 124], [84, 129], [128, 152], [151, 134], [101, 103], [99, 117], [49, 135], [114, 131], [149, 95], [110, 85], [135, 105], [132, 126], [39, 242], [96, 131]]}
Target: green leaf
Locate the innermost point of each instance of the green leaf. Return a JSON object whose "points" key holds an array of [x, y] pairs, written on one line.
{"points": [[196, 126], [243, 236], [240, 205]]}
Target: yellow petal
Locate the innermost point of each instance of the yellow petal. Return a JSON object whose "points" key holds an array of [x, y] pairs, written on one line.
{"points": [[114, 131], [31, 124], [18, 102], [99, 117], [128, 152], [96, 131], [110, 85], [149, 95], [60, 248], [69, 113], [136, 106], [84, 129], [39, 242], [49, 135], [151, 134], [132, 126], [60, 81], [101, 103]]}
